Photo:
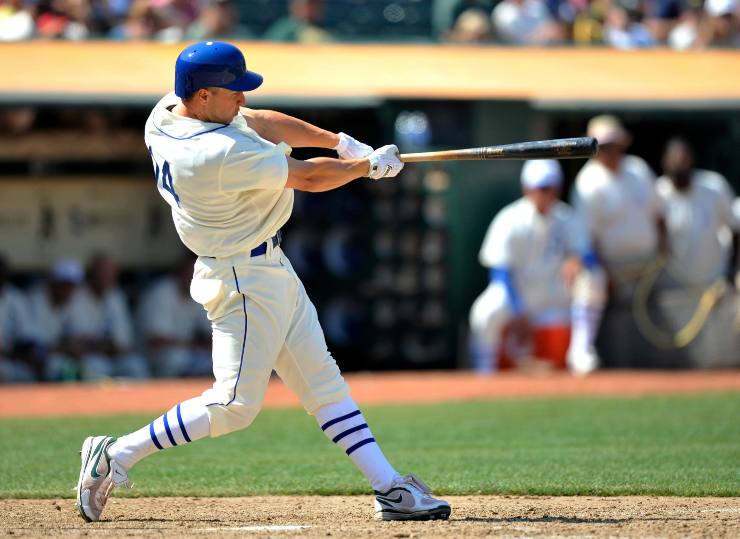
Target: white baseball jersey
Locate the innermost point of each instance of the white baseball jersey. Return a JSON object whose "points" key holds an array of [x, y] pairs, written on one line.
{"points": [[57, 322], [16, 324], [108, 316], [224, 183], [533, 247], [699, 221], [165, 312], [619, 209]]}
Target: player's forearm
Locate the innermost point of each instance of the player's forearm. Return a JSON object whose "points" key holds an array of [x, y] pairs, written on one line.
{"points": [[278, 127], [324, 174]]}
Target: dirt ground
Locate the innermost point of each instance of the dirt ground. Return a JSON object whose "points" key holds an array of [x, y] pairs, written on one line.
{"points": [[367, 388], [351, 516]]}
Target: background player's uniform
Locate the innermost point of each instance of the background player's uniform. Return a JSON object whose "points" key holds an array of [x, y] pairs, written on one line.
{"points": [[620, 210], [168, 314], [525, 249], [531, 248], [699, 223]]}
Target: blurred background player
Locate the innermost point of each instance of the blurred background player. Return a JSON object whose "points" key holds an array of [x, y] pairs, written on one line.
{"points": [[699, 218], [20, 358], [110, 331], [60, 314], [176, 330], [542, 273], [616, 199]]}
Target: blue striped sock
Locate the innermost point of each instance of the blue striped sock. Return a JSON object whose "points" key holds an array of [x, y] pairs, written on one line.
{"points": [[184, 423], [344, 424]]}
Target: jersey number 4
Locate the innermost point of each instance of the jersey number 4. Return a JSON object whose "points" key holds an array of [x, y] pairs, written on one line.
{"points": [[166, 176]]}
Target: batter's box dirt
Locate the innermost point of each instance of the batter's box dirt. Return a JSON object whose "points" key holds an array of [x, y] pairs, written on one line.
{"points": [[351, 516]]}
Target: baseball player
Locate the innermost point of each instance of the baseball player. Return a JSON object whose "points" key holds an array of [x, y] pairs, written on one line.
{"points": [[616, 198], [176, 330], [20, 357], [227, 174], [541, 273], [699, 218]]}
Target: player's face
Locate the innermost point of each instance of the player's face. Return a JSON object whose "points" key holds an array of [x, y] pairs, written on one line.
{"points": [[222, 104], [543, 198]]}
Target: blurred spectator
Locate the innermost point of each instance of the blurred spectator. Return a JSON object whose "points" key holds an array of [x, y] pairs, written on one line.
{"points": [[721, 26], [61, 19], [472, 26], [20, 357], [616, 198], [526, 22], [588, 22], [304, 24], [16, 20], [59, 310], [162, 20], [110, 328], [623, 30], [541, 271], [685, 34], [176, 329], [661, 16], [699, 218], [218, 19], [105, 15]]}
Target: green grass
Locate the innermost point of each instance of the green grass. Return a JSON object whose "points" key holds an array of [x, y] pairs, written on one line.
{"points": [[677, 445]]}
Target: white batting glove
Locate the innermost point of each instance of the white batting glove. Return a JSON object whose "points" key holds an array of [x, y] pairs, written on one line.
{"points": [[350, 148], [384, 162]]}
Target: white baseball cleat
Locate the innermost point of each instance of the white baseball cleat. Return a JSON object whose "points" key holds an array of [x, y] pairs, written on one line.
{"points": [[98, 475], [582, 362], [409, 499]]}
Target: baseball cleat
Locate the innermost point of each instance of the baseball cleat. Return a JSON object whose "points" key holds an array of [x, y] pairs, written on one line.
{"points": [[582, 362], [409, 499], [98, 475]]}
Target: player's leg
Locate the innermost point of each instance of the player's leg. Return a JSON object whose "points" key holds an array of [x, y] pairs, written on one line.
{"points": [[245, 344], [589, 298], [307, 367], [488, 317]]}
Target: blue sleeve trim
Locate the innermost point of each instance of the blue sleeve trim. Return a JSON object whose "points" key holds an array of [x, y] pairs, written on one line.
{"points": [[503, 276], [590, 260]]}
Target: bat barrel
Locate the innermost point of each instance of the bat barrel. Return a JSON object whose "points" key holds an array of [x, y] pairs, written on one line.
{"points": [[567, 148]]}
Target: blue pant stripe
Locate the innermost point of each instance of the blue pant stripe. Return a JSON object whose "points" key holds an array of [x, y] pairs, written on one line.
{"points": [[338, 419], [244, 338], [182, 425], [154, 436], [348, 432], [358, 445], [169, 432]]}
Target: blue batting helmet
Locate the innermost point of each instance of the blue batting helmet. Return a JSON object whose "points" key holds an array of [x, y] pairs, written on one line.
{"points": [[213, 63]]}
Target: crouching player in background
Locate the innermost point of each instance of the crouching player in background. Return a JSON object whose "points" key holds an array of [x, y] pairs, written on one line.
{"points": [[542, 273]]}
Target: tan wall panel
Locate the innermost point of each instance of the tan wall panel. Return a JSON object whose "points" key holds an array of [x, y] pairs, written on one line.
{"points": [[42, 220], [348, 71]]}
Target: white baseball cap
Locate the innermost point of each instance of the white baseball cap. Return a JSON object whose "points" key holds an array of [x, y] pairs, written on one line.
{"points": [[607, 129], [67, 270], [718, 8], [540, 173]]}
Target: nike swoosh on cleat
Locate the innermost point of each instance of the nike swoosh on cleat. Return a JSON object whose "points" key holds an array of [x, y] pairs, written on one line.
{"points": [[391, 500]]}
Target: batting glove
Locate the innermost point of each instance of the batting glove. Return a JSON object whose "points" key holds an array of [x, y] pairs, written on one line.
{"points": [[384, 162], [350, 148]]}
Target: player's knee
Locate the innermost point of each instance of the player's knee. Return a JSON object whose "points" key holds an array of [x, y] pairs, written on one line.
{"points": [[230, 418]]}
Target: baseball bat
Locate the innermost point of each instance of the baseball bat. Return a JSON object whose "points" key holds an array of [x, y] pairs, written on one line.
{"points": [[563, 148]]}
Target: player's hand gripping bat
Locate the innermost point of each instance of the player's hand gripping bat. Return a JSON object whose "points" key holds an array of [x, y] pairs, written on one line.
{"points": [[564, 148]]}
